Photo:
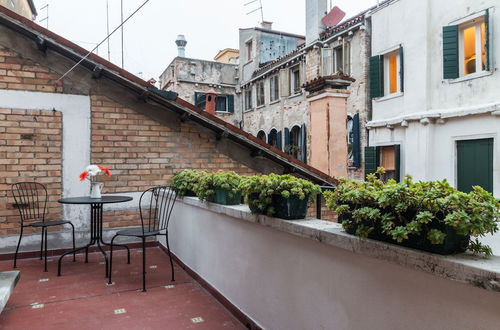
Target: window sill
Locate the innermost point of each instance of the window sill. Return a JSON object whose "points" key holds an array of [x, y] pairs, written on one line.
{"points": [[294, 95], [261, 106], [224, 112], [389, 97], [249, 110], [470, 77], [275, 101]]}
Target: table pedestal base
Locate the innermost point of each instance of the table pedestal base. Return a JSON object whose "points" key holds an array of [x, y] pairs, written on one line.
{"points": [[95, 238]]}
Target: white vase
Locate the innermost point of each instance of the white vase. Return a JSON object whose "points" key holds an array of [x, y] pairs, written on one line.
{"points": [[95, 189]]}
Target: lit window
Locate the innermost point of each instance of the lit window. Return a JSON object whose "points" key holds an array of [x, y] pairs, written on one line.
{"points": [[388, 161], [260, 93], [473, 46], [274, 88], [295, 80], [392, 73]]}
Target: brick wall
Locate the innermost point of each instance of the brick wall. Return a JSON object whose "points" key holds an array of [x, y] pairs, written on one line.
{"points": [[19, 73], [141, 152], [30, 149]]}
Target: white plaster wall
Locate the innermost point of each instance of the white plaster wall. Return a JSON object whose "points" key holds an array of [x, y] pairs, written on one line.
{"points": [[287, 282], [76, 120]]}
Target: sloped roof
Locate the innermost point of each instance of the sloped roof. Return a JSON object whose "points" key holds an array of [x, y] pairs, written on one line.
{"points": [[98, 65]]}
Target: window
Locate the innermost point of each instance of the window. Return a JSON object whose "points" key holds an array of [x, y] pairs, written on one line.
{"points": [[261, 135], [353, 142], [336, 59], [387, 73], [249, 46], [296, 142], [274, 138], [260, 93], [392, 73], [274, 90], [295, 80], [223, 103], [248, 99], [466, 47], [473, 47], [387, 157], [12, 4]]}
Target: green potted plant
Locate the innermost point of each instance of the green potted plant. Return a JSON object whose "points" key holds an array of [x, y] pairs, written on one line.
{"points": [[430, 216], [184, 181], [281, 196], [220, 187]]}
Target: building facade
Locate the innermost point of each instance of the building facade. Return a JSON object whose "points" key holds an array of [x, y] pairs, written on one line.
{"points": [[24, 8], [193, 78], [436, 114]]}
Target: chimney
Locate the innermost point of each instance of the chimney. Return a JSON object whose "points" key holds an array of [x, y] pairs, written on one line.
{"points": [[266, 25], [210, 101], [315, 11], [181, 45]]}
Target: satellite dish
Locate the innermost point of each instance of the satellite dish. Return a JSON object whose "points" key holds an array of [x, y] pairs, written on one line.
{"points": [[334, 17]]}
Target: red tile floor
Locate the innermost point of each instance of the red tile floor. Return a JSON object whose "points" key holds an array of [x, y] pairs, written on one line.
{"points": [[80, 298]]}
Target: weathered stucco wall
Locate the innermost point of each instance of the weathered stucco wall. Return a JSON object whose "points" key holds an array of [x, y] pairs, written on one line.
{"points": [[283, 281]]}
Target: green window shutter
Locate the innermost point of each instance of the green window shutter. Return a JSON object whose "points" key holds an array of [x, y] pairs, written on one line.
{"points": [[397, 162], [376, 76], [287, 137], [230, 103], [356, 141], [402, 68], [303, 143], [372, 159], [488, 41], [450, 52], [279, 143]]}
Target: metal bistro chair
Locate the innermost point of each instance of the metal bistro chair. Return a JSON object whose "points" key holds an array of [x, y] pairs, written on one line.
{"points": [[31, 201], [155, 207]]}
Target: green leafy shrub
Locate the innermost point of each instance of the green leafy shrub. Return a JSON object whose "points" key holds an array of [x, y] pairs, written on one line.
{"points": [[185, 181], [259, 190], [229, 181], [407, 209]]}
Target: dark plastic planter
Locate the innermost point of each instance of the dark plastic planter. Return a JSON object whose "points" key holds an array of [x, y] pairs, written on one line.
{"points": [[292, 208], [189, 193], [222, 196], [453, 243], [253, 197]]}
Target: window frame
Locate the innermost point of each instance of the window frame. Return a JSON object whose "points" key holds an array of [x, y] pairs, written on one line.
{"points": [[249, 49], [274, 93], [387, 72], [295, 90], [476, 23], [248, 99], [260, 94]]}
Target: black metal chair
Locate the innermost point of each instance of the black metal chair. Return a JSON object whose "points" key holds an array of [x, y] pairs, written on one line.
{"points": [[31, 201], [155, 207]]}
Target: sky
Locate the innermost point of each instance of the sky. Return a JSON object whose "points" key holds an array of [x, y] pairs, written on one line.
{"points": [[149, 36]]}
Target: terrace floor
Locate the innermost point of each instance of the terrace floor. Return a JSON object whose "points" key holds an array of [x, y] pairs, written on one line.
{"points": [[80, 298]]}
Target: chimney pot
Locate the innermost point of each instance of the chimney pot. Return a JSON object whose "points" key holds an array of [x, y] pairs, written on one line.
{"points": [[181, 43]]}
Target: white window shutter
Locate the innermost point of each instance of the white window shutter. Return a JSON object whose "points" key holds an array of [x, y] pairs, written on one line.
{"points": [[285, 82]]}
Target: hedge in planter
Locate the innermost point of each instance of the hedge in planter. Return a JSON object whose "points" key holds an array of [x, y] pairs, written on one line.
{"points": [[219, 187], [431, 216], [281, 196], [184, 181]]}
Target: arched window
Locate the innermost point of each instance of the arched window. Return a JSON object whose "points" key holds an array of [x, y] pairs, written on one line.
{"points": [[262, 135], [294, 146], [273, 138]]}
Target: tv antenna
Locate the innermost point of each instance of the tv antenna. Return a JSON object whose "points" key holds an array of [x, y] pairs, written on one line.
{"points": [[256, 9], [46, 18]]}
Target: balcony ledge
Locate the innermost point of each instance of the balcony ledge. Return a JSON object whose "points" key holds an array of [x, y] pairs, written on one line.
{"points": [[465, 268]]}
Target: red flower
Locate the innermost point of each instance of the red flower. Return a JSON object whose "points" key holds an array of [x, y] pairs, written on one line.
{"points": [[84, 175], [105, 169]]}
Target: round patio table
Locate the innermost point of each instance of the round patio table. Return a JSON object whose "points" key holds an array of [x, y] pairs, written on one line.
{"points": [[96, 206]]}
